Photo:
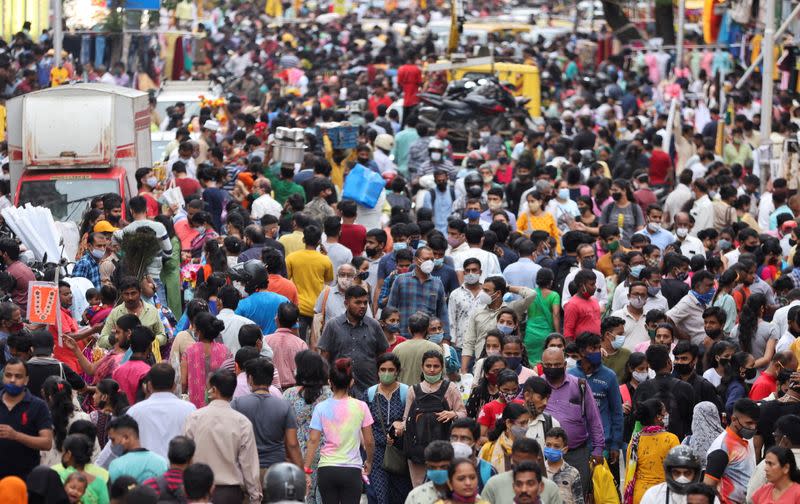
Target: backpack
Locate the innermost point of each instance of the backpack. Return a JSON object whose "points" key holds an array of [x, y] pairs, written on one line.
{"points": [[373, 389], [422, 427], [432, 192]]}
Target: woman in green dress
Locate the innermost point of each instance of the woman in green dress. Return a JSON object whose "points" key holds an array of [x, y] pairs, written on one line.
{"points": [[544, 315], [76, 458]]}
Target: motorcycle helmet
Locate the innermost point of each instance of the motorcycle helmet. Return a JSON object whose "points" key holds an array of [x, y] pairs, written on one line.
{"points": [[436, 144], [473, 184], [681, 457], [252, 274], [587, 157], [285, 482], [384, 141]]}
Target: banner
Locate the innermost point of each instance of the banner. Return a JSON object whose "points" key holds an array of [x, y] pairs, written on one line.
{"points": [[43, 303]]}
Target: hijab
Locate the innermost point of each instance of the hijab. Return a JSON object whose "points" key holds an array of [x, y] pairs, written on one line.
{"points": [[45, 487], [706, 427]]}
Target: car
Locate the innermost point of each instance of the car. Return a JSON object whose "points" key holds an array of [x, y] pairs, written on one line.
{"points": [[188, 92]]}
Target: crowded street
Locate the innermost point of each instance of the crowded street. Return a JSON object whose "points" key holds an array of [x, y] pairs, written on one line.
{"points": [[399, 252]]}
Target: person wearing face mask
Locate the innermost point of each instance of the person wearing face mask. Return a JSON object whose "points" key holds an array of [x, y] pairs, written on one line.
{"points": [[674, 274], [603, 384], [767, 382], [419, 291], [687, 314], [537, 218], [464, 300], [684, 367], [753, 333], [582, 312], [623, 211], [88, 266], [731, 459], [633, 314], [536, 393], [584, 424], [464, 434], [658, 235], [677, 396], [146, 183], [566, 477], [682, 468], [586, 261], [132, 460], [452, 364], [748, 244], [511, 426], [438, 455], [330, 302], [437, 160], [688, 244], [410, 351], [508, 387], [487, 372], [615, 355], [440, 199], [27, 426], [386, 402], [647, 451], [484, 319], [564, 209], [490, 264]]}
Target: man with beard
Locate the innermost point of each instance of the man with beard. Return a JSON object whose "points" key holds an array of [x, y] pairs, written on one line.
{"points": [[527, 483], [683, 367], [356, 336]]}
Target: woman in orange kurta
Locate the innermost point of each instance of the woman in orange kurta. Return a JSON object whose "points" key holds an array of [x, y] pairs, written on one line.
{"points": [[536, 219]]}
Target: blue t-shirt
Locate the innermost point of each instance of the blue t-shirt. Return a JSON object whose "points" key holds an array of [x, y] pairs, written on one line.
{"points": [[261, 308], [139, 464]]}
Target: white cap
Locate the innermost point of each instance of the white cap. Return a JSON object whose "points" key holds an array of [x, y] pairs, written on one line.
{"points": [[211, 125]]}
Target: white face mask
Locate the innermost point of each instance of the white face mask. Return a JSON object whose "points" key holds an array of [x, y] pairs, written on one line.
{"points": [[427, 267], [571, 363], [239, 286], [640, 376], [436, 156], [681, 232], [344, 282], [483, 298], [683, 480], [461, 450], [472, 278]]}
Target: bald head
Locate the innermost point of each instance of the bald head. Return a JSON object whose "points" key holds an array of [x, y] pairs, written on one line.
{"points": [[553, 357]]}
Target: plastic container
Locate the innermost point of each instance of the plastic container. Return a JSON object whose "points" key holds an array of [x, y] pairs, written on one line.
{"points": [[343, 137], [363, 186]]}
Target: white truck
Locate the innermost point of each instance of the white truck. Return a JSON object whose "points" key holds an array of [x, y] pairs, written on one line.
{"points": [[71, 143]]}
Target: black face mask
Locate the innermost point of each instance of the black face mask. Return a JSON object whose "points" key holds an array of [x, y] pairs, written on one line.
{"points": [[750, 373], [724, 362], [371, 252], [784, 375], [554, 374], [714, 334], [751, 249], [616, 196], [682, 369]]}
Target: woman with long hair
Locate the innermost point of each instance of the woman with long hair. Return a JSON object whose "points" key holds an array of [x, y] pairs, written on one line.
{"points": [[733, 385], [451, 407], [516, 356], [202, 358], [754, 334], [390, 323], [346, 424], [544, 315], [462, 484], [76, 459], [187, 336], [57, 393], [717, 360], [311, 388], [386, 402], [512, 425], [90, 218], [647, 451], [110, 402], [509, 387], [783, 478], [637, 371], [724, 298], [624, 204], [485, 388]]}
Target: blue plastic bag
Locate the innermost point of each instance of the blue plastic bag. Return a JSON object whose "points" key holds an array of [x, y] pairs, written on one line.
{"points": [[363, 186]]}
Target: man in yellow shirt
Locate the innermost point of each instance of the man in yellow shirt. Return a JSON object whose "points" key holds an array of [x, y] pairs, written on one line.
{"points": [[294, 240], [310, 271]]}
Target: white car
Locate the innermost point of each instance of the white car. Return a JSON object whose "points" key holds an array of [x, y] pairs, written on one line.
{"points": [[188, 92]]}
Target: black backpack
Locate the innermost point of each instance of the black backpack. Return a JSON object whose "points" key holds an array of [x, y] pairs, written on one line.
{"points": [[422, 426], [432, 192]]}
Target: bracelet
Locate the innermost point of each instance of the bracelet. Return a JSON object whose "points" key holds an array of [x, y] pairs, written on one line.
{"points": [[308, 470]]}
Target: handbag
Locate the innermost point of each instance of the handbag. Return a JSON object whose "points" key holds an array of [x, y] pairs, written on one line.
{"points": [[394, 460]]}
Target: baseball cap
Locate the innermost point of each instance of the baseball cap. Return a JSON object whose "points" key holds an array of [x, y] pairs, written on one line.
{"points": [[104, 226], [42, 342]]}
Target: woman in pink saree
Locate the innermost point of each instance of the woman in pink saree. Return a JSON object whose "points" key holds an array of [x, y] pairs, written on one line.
{"points": [[202, 358]]}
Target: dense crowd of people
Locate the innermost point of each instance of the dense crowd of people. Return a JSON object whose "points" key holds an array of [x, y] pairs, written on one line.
{"points": [[601, 304]]}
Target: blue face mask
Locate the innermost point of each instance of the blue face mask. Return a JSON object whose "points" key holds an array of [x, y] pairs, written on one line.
{"points": [[118, 450], [505, 329], [514, 362], [594, 358], [553, 454], [472, 214], [618, 342], [563, 194], [414, 244], [393, 328], [436, 337], [437, 476], [705, 298], [13, 390], [637, 270], [399, 246], [438, 262]]}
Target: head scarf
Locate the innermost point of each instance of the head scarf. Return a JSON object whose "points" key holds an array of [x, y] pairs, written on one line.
{"points": [[13, 489], [705, 429], [45, 487]]}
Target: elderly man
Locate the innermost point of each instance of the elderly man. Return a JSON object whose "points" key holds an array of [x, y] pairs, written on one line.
{"points": [[264, 204], [330, 302]]}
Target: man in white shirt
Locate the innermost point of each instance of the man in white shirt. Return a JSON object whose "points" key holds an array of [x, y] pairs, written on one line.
{"points": [[490, 265], [633, 314], [264, 204], [748, 244], [678, 197], [230, 297], [523, 272], [690, 245], [781, 319], [655, 300], [161, 416], [185, 153], [703, 208], [587, 259]]}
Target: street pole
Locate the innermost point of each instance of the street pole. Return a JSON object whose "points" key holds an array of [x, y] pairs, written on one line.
{"points": [[57, 32], [765, 156], [681, 21]]}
